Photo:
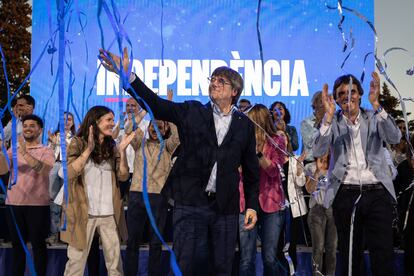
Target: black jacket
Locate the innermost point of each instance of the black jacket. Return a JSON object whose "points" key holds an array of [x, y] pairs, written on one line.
{"points": [[199, 151]]}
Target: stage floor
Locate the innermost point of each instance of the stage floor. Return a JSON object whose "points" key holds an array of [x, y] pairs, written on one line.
{"points": [[57, 260]]}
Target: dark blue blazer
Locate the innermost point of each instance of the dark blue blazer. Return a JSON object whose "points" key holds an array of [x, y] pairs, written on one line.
{"points": [[199, 151]]}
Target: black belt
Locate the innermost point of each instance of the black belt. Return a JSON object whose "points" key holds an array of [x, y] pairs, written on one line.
{"points": [[210, 195], [363, 187]]}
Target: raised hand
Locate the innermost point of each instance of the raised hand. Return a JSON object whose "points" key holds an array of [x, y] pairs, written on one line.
{"points": [[170, 94], [302, 156], [374, 90], [91, 139], [281, 125], [112, 62], [22, 145], [52, 137], [328, 102], [126, 140]]}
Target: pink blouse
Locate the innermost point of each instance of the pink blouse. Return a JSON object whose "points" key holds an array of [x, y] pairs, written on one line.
{"points": [[270, 192]]}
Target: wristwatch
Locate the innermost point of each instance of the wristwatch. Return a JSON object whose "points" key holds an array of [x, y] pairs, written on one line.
{"points": [[379, 109]]}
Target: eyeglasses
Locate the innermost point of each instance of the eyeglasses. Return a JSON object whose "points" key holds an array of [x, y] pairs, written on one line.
{"points": [[221, 81]]}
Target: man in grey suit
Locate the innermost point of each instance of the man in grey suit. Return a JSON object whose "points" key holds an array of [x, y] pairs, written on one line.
{"points": [[357, 179]]}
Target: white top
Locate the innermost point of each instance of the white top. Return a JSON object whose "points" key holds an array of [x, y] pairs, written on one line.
{"points": [[357, 169], [222, 124], [8, 129], [98, 180], [295, 184]]}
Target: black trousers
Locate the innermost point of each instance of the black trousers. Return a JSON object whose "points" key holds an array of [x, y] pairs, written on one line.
{"points": [[138, 222], [409, 241], [34, 224], [372, 226], [204, 240]]}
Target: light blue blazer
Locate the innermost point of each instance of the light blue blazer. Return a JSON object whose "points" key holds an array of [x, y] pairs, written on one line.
{"points": [[374, 131]]}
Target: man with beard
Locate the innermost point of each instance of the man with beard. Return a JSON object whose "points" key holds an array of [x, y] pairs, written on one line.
{"points": [[28, 198], [357, 181]]}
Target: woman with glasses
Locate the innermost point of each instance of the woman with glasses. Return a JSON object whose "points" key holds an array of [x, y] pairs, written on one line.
{"points": [[271, 198]]}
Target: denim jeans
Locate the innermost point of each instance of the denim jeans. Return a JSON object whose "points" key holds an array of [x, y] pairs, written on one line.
{"points": [[324, 237], [269, 226], [55, 182]]}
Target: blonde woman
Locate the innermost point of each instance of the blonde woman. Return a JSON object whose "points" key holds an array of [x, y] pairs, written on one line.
{"points": [[271, 198]]}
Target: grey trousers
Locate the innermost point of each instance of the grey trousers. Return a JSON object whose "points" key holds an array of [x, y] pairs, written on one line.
{"points": [[324, 238]]}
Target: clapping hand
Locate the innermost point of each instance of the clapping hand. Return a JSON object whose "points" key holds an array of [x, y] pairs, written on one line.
{"points": [[374, 90], [91, 139], [126, 140], [22, 145], [52, 138], [328, 102], [170, 94]]}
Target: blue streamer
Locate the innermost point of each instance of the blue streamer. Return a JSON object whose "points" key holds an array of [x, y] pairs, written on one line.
{"points": [[173, 260], [61, 62], [26, 251], [70, 86], [123, 79], [24, 81], [47, 102], [87, 56], [134, 122], [14, 151], [14, 139], [259, 38], [162, 33]]}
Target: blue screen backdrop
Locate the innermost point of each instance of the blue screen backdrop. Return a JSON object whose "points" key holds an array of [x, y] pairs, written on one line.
{"points": [[302, 49]]}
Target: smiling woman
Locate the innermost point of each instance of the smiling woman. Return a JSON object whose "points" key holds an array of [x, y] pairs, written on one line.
{"points": [[94, 203]]}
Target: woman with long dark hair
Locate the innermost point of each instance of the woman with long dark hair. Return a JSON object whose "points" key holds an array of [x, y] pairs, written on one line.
{"points": [[281, 118], [95, 164]]}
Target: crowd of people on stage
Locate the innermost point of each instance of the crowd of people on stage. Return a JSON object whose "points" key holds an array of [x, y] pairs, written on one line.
{"points": [[228, 170]]}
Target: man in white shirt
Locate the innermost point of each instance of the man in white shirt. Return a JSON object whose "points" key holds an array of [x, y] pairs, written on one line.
{"points": [[134, 119], [358, 180]]}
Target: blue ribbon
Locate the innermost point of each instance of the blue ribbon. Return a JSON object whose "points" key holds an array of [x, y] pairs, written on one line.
{"points": [[162, 33], [61, 89], [26, 251], [120, 33], [14, 138], [14, 151], [259, 38]]}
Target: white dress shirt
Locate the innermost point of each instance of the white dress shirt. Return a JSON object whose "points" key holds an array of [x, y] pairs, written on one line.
{"points": [[357, 170], [221, 124]]}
